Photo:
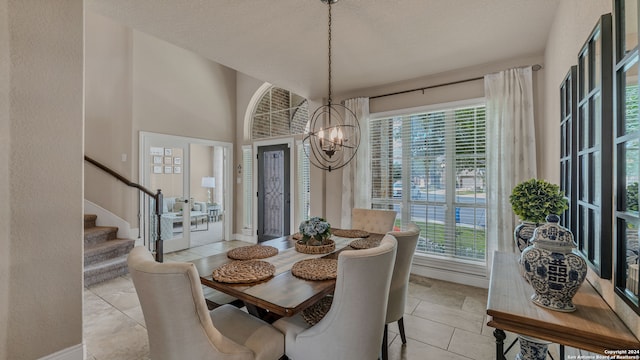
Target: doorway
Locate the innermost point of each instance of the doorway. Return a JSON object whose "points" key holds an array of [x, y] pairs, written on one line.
{"points": [[274, 194], [195, 178]]}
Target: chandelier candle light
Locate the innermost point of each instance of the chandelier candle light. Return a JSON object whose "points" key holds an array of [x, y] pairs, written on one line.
{"points": [[333, 132]]}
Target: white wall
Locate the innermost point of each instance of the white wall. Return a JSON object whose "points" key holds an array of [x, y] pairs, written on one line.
{"points": [[41, 236]]}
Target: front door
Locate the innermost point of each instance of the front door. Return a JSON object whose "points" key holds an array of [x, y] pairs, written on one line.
{"points": [[274, 195]]}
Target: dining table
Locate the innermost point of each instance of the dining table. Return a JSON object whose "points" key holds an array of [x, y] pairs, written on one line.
{"points": [[283, 294]]}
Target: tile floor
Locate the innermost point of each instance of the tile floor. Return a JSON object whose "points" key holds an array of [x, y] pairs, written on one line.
{"points": [[443, 320]]}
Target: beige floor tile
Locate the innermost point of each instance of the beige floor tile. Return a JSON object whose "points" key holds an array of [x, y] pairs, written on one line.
{"points": [[475, 305], [119, 292], [411, 304], [472, 345], [425, 331], [450, 316], [415, 350], [430, 295]]}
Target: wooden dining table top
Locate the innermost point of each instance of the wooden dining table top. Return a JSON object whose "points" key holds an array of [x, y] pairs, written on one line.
{"points": [[283, 294]]}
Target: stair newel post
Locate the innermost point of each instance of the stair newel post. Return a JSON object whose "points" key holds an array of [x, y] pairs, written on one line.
{"points": [[159, 249]]}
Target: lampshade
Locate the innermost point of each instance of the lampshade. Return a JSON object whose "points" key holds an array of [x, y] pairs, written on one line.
{"points": [[208, 182]]}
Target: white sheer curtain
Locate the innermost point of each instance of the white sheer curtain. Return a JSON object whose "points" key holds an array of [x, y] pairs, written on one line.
{"points": [[356, 180], [511, 150]]}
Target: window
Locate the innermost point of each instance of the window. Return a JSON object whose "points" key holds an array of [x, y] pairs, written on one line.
{"points": [[247, 189], [429, 166], [279, 113], [304, 184]]}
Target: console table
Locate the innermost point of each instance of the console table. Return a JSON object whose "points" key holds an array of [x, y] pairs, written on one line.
{"points": [[593, 326]]}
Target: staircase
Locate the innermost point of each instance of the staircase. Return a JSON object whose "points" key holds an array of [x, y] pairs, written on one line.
{"points": [[105, 256]]}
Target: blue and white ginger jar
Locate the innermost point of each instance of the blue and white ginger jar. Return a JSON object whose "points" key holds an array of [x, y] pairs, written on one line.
{"points": [[552, 267]]}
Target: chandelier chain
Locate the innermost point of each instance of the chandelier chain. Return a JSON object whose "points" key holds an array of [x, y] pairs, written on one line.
{"points": [[329, 99]]}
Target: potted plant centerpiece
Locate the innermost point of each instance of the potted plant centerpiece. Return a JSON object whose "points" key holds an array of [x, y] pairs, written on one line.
{"points": [[532, 201], [315, 237]]}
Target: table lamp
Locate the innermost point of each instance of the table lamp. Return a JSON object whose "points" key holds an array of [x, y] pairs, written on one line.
{"points": [[209, 183]]}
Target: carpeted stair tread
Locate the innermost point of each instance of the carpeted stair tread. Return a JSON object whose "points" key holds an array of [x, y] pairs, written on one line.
{"points": [[97, 252], [105, 256], [99, 234], [105, 270]]}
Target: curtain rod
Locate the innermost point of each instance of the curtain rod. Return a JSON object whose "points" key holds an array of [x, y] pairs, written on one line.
{"points": [[535, 67]]}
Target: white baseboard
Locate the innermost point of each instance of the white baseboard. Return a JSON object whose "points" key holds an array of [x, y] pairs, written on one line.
{"points": [[75, 352], [248, 238], [443, 269]]}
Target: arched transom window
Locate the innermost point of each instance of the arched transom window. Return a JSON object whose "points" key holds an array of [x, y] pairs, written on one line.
{"points": [[279, 113]]}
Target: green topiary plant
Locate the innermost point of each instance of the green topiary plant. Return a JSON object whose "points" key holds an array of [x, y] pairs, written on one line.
{"points": [[534, 199]]}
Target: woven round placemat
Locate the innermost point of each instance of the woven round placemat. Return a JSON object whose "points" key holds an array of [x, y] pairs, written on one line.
{"points": [[364, 243], [350, 233], [296, 236], [317, 311], [316, 269], [252, 252], [244, 272]]}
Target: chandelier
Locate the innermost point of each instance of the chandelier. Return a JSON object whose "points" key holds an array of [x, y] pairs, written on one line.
{"points": [[332, 136]]}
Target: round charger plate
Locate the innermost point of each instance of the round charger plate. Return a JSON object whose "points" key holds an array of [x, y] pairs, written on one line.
{"points": [[317, 311], [350, 233], [316, 269], [252, 252], [244, 272], [364, 243]]}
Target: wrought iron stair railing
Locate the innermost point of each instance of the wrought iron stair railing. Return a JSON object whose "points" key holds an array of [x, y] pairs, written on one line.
{"points": [[157, 200]]}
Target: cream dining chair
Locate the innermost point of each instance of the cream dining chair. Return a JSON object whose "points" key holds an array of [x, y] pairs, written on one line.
{"points": [[353, 327], [179, 325], [407, 242], [372, 220]]}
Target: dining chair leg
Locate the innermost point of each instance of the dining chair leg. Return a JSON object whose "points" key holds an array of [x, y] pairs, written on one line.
{"points": [[385, 340], [401, 327]]}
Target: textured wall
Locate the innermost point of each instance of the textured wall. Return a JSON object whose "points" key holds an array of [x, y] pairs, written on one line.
{"points": [[45, 174], [5, 249], [108, 114]]}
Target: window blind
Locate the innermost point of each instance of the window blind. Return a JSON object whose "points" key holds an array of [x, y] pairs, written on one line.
{"points": [[247, 189], [430, 167]]}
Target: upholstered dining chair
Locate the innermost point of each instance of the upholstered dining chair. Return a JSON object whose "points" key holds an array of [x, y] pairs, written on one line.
{"points": [[179, 325], [407, 242], [373, 220], [352, 328]]}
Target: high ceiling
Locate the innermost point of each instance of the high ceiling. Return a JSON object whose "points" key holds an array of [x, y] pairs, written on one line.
{"points": [[374, 42]]}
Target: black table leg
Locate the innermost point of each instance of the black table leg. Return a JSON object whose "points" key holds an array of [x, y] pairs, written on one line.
{"points": [[500, 336]]}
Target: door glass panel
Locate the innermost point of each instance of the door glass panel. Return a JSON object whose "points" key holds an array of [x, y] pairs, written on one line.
{"points": [[273, 193]]}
